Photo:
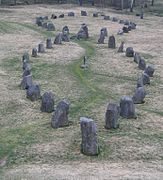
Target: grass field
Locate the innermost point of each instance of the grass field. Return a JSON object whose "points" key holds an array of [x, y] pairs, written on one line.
{"points": [[29, 147]]}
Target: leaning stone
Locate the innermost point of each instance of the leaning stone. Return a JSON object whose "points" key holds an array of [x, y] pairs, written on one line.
{"points": [[65, 37], [61, 16], [114, 19], [34, 52], [33, 92], [129, 28], [71, 14], [133, 25], [120, 32], [121, 47], [111, 42], [106, 17], [126, 22], [49, 43], [50, 27], [146, 79], [149, 70], [41, 48], [111, 116], [58, 39], [89, 144], [26, 82], [142, 64], [83, 13], [137, 58], [65, 30], [47, 103], [39, 21], [95, 14], [25, 57], [104, 31], [129, 52], [26, 66], [127, 108], [60, 116], [139, 95]]}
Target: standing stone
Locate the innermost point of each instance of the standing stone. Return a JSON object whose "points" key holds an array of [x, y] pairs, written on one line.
{"points": [[83, 32], [149, 70], [83, 13], [142, 14], [125, 29], [26, 66], [102, 38], [34, 52], [129, 52], [120, 32], [50, 27], [121, 21], [41, 48], [26, 72], [104, 31], [25, 57], [114, 19], [65, 34], [140, 82], [53, 16], [47, 104], [126, 22], [85, 63], [137, 58], [89, 144], [61, 16], [58, 39], [33, 92], [45, 25], [111, 116], [49, 43], [127, 108], [60, 116], [39, 21], [106, 17], [132, 25], [146, 79], [95, 14], [142, 64], [121, 47], [111, 42], [139, 95], [26, 82], [72, 14]]}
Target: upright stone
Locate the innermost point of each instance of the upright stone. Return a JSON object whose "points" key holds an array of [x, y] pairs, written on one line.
{"points": [[26, 72], [26, 82], [45, 25], [146, 79], [72, 14], [132, 25], [120, 32], [149, 70], [83, 13], [106, 17], [137, 58], [65, 34], [140, 82], [121, 47], [34, 52], [47, 103], [25, 57], [125, 29], [139, 95], [111, 42], [95, 14], [50, 26], [127, 108], [102, 38], [142, 64], [41, 48], [89, 144], [58, 39], [104, 31], [61, 16], [60, 116], [111, 116], [33, 92], [121, 21], [130, 52], [114, 19], [49, 43]]}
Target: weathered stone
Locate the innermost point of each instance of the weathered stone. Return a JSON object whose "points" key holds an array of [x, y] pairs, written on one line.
{"points": [[137, 57], [127, 108], [50, 27], [71, 14], [61, 16], [65, 34], [101, 39], [85, 63], [114, 19], [120, 32], [47, 103], [33, 92], [83, 32], [126, 22], [34, 52], [53, 16], [60, 116], [58, 39], [129, 28], [140, 82], [89, 144], [146, 79], [83, 13], [142, 64], [129, 52], [149, 70], [26, 82], [41, 48], [121, 47], [121, 21], [125, 29], [95, 14], [142, 15], [106, 17], [39, 21], [26, 72], [111, 116], [26, 66], [49, 43], [45, 25], [139, 95], [104, 31], [111, 42], [65, 30], [25, 57]]}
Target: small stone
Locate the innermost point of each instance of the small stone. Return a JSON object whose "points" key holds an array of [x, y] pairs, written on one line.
{"points": [[50, 27], [25, 57], [137, 58], [58, 39], [101, 39], [114, 19], [146, 79], [39, 21], [142, 64], [126, 22], [60, 116], [34, 52], [139, 95], [83, 32], [83, 13], [111, 116], [140, 82], [41, 48], [125, 29], [47, 103], [26, 82], [149, 70], [49, 43], [61, 16], [127, 108], [111, 42], [33, 92], [89, 144], [72, 14], [65, 30], [26, 66], [120, 32], [106, 17], [121, 47], [129, 52], [121, 21], [26, 72], [95, 14], [53, 16]]}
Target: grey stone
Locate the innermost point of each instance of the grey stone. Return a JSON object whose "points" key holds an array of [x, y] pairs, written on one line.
{"points": [[139, 95], [125, 29], [61, 16], [47, 102], [149, 70], [121, 47], [26, 66], [127, 108], [72, 14], [83, 13], [120, 32], [39, 20], [60, 116], [111, 42], [95, 14], [146, 79], [85, 63], [142, 64], [121, 21], [45, 25], [89, 144], [49, 43], [101, 39], [58, 39], [133, 25], [65, 34], [106, 17], [137, 58], [83, 32], [34, 52], [53, 16], [104, 31], [26, 72], [41, 48], [111, 116], [33, 92], [25, 57], [130, 52], [140, 82], [26, 82], [114, 19], [50, 27]]}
